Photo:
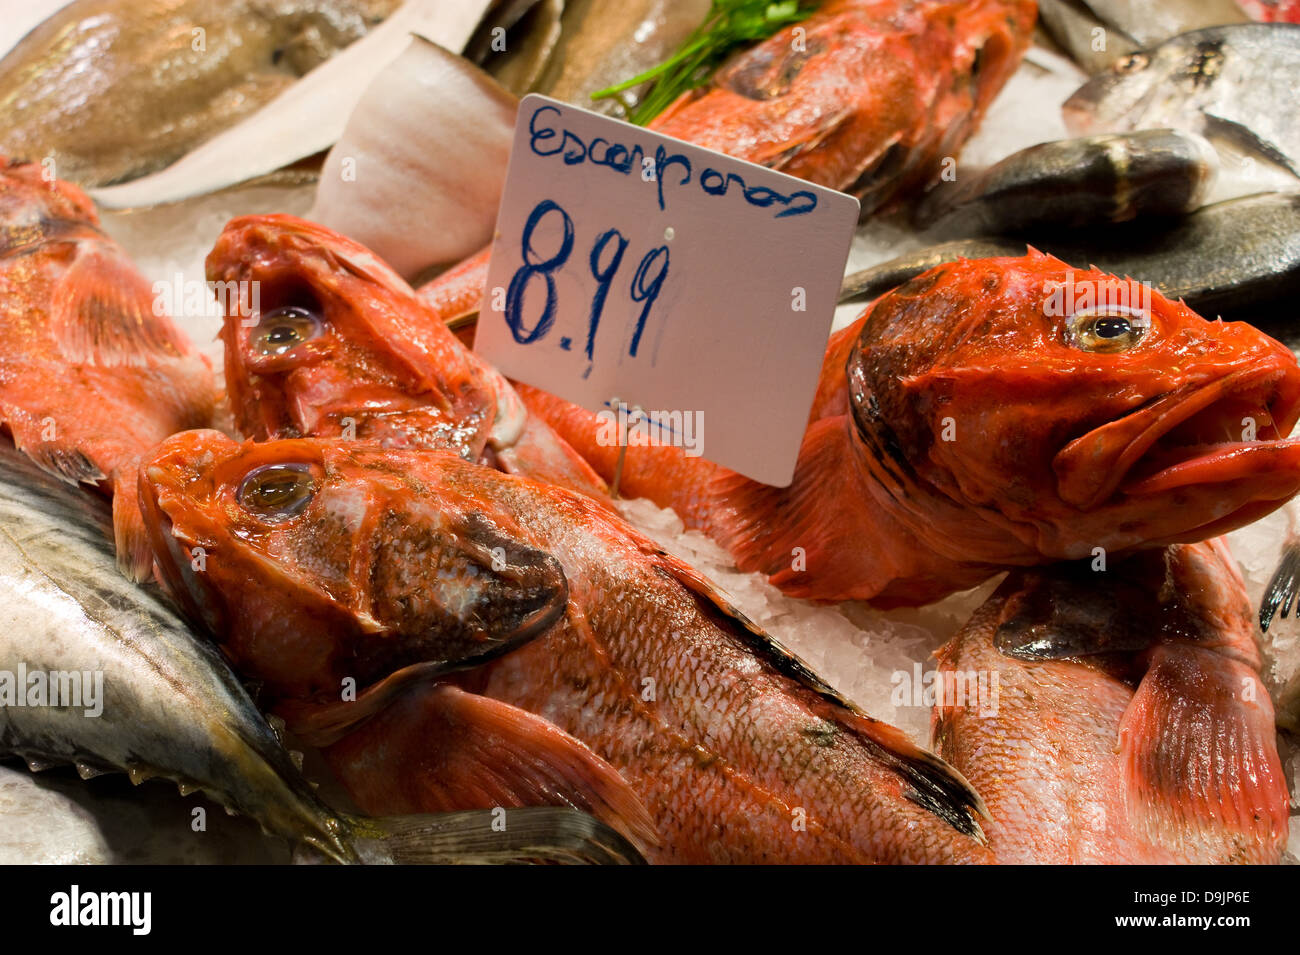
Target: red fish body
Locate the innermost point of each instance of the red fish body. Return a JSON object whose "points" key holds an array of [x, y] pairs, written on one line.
{"points": [[600, 665], [91, 375], [339, 345], [975, 418], [1128, 722], [865, 96]]}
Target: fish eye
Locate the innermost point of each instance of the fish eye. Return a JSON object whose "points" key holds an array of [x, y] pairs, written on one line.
{"points": [[1107, 330], [284, 328], [1132, 63], [277, 492]]}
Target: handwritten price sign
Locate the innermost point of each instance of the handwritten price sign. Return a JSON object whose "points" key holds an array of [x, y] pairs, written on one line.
{"points": [[628, 266]]}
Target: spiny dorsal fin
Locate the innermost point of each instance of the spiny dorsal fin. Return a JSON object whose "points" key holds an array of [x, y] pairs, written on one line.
{"points": [[934, 784]]}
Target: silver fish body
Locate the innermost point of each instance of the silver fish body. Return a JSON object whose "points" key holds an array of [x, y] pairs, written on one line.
{"points": [[150, 699], [1239, 259], [1098, 32], [1232, 84], [1079, 182], [1151, 21]]}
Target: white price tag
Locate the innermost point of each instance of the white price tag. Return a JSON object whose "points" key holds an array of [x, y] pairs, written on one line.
{"points": [[635, 268]]}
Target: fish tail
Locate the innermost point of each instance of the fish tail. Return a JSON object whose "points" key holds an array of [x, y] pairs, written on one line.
{"points": [[130, 534], [1283, 587], [535, 834]]}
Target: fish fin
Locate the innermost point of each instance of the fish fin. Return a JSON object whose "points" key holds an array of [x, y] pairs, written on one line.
{"points": [[934, 784], [1245, 138], [438, 748], [38, 438], [1198, 751], [542, 455], [102, 313], [320, 724], [805, 548], [130, 534], [1283, 587], [533, 834]]}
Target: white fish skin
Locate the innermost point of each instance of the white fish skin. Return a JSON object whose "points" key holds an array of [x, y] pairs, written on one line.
{"points": [[307, 118], [418, 173]]}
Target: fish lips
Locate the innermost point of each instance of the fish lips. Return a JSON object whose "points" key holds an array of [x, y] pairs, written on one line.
{"points": [[1139, 454]]}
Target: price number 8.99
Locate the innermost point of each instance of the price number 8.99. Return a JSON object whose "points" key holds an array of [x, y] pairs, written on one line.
{"points": [[604, 260]]}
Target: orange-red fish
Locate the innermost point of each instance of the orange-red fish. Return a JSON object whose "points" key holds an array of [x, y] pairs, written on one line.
{"points": [[608, 674], [865, 96], [337, 344], [994, 413], [1123, 720], [91, 374]]}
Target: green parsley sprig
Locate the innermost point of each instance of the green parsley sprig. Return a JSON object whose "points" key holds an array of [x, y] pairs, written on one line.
{"points": [[730, 24]]}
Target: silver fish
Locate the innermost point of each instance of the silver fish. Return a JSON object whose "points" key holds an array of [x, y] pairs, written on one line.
{"points": [[516, 42], [1235, 85], [115, 89], [1083, 35], [55, 818], [1078, 182], [605, 43], [1239, 259], [873, 282], [145, 697]]}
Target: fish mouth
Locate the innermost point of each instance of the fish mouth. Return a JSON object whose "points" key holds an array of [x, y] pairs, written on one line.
{"points": [[1229, 429]]}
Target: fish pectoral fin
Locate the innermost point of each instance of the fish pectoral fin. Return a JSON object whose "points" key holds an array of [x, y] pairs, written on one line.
{"points": [[41, 440], [130, 533], [1198, 751], [785, 532], [535, 834], [542, 455], [103, 313], [1246, 139], [438, 748]]}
